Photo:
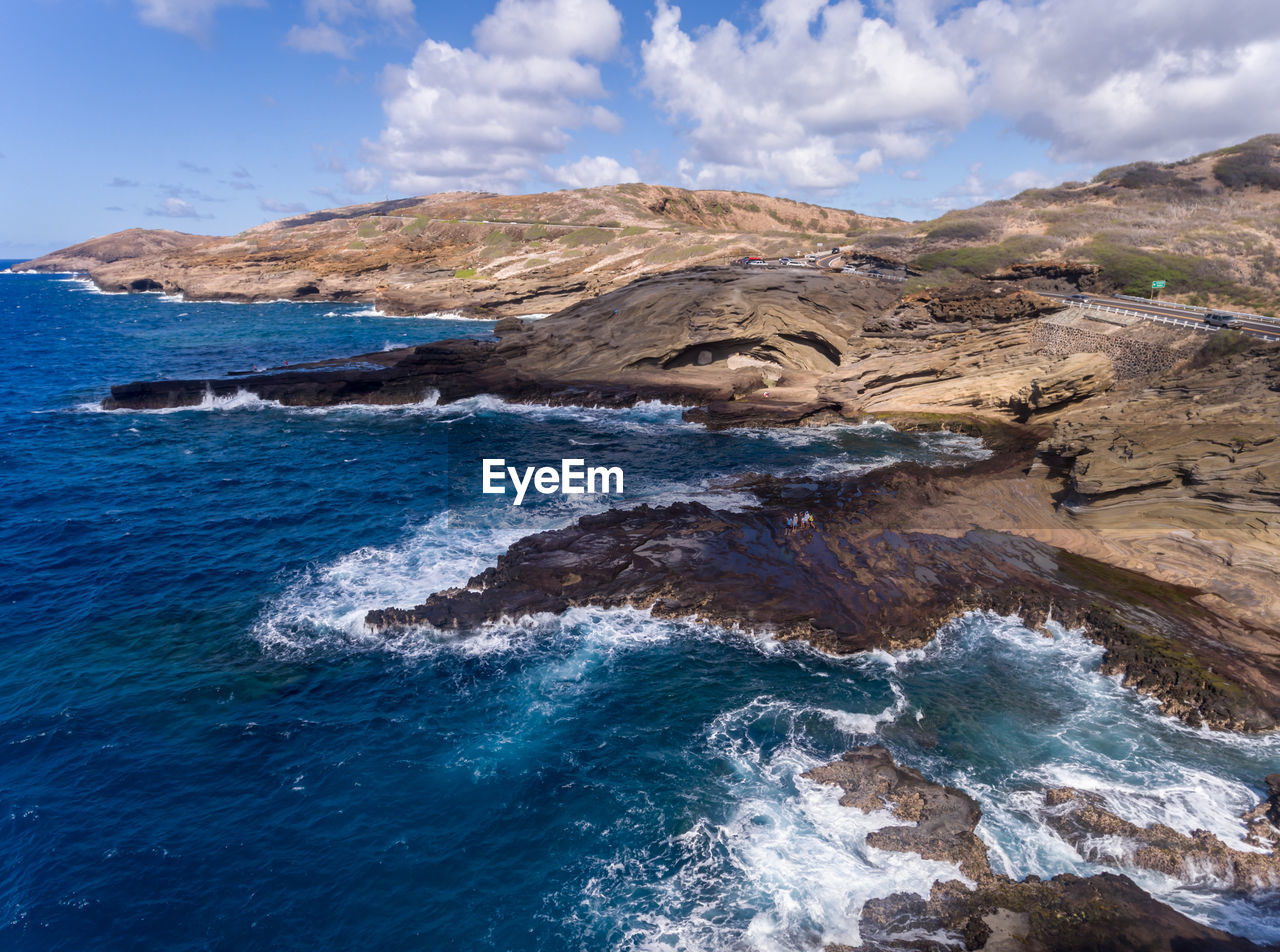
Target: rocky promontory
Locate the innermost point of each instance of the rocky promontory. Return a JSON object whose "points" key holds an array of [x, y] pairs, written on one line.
{"points": [[1134, 488], [1104, 913]]}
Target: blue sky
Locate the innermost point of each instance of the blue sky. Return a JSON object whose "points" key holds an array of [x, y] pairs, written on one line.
{"points": [[211, 116]]}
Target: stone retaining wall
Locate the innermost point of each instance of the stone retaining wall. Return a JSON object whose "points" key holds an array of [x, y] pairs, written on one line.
{"points": [[1131, 357]]}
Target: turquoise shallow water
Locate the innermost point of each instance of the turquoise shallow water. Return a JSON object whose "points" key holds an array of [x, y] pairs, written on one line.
{"points": [[201, 747]]}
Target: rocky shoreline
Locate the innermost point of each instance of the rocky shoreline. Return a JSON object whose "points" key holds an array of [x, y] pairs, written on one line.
{"points": [[1156, 530], [1132, 490], [1107, 911]]}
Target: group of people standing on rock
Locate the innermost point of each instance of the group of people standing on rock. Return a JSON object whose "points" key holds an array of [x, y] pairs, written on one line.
{"points": [[800, 521]]}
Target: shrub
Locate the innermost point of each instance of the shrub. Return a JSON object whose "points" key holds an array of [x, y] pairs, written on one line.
{"points": [[465, 273], [885, 241], [1253, 166], [587, 236], [357, 245], [979, 259], [1133, 269], [633, 230], [534, 232], [367, 230], [1221, 347], [417, 226], [609, 224], [983, 259], [961, 229]]}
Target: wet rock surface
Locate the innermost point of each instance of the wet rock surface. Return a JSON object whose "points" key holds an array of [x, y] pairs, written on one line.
{"points": [[1142, 506], [1082, 819], [856, 581], [941, 820], [1147, 509], [1067, 912]]}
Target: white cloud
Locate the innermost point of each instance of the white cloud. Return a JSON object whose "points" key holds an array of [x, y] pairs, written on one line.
{"points": [[486, 117], [175, 208], [362, 181], [1103, 81], [815, 95], [282, 208], [590, 171], [558, 29], [1022, 180], [337, 27], [320, 38], [191, 17]]}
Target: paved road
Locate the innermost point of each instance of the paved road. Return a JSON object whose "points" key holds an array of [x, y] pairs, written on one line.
{"points": [[1269, 330]]}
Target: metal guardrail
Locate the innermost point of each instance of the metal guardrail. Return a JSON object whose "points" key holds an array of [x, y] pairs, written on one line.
{"points": [[874, 274], [1162, 319], [1266, 319]]}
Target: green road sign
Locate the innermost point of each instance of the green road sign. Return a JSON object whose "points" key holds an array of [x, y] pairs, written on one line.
{"points": [[1157, 284]]}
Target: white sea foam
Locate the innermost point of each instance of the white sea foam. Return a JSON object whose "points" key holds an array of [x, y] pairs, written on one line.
{"points": [[324, 607], [373, 311], [240, 400], [86, 286], [1146, 767], [785, 867]]}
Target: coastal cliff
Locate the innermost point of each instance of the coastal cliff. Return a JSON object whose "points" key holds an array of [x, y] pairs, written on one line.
{"points": [[1135, 496], [1130, 490]]}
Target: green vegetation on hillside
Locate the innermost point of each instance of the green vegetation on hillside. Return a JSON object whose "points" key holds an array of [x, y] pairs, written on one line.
{"points": [[587, 236]]}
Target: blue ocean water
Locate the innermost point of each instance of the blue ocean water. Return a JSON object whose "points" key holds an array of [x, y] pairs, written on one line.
{"points": [[202, 748]]}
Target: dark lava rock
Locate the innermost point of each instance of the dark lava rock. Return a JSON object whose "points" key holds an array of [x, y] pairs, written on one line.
{"points": [[1103, 913], [854, 583], [942, 818]]}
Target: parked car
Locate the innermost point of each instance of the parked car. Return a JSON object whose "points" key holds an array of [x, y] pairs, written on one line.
{"points": [[1219, 319]]}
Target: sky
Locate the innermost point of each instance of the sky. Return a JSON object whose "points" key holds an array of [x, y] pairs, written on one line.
{"points": [[210, 116]]}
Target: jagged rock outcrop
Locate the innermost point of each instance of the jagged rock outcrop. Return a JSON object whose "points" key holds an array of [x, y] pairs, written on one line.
{"points": [[969, 303], [1189, 502], [1050, 275], [941, 819], [870, 576], [795, 320], [1082, 819], [1103, 913], [996, 370], [701, 336]]}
